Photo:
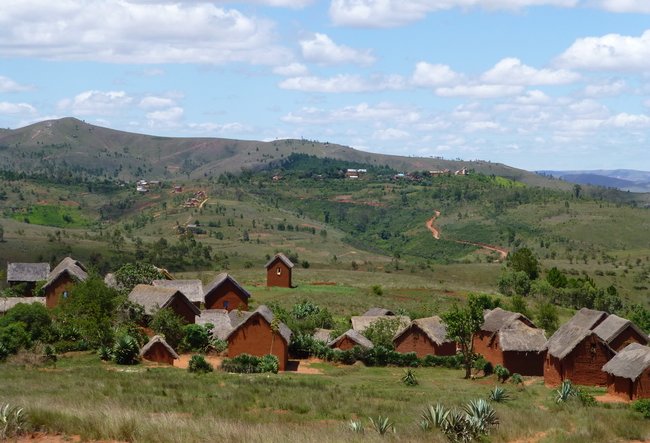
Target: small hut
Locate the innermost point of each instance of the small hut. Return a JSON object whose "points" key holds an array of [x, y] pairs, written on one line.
{"points": [[619, 332], [26, 275], [258, 333], [322, 335], [158, 350], [522, 349], [62, 278], [425, 336], [628, 373], [225, 293], [152, 298], [361, 322], [494, 320], [278, 271], [377, 312], [349, 339], [192, 289]]}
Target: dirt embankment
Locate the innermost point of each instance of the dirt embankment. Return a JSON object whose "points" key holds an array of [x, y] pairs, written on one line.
{"points": [[503, 253]]}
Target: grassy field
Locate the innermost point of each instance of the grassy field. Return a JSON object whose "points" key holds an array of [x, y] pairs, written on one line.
{"points": [[83, 396]]}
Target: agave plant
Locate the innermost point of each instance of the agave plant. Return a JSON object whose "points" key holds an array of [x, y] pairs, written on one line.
{"points": [[409, 378], [433, 417], [382, 425], [481, 415], [565, 392], [356, 426], [12, 421], [457, 428], [498, 394]]}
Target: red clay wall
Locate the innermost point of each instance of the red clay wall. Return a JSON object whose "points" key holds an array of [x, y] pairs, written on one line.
{"points": [[583, 366], [281, 279], [254, 337], [159, 353], [345, 344], [182, 309], [619, 386], [641, 387], [54, 293], [414, 340], [228, 297], [488, 348], [524, 363], [627, 336], [552, 371]]}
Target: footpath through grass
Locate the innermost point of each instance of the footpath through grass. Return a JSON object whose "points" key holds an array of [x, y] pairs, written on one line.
{"points": [[83, 396]]}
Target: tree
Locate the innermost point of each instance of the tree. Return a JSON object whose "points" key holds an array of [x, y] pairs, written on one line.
{"points": [[547, 317], [577, 190], [166, 323], [35, 317], [462, 324], [556, 278], [524, 260], [2, 234], [514, 283], [382, 331], [518, 304], [132, 274]]}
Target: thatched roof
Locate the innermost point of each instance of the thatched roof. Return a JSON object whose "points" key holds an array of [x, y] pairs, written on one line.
{"points": [[240, 318], [498, 318], [360, 323], [570, 334], [375, 312], [192, 289], [7, 303], [322, 335], [587, 318], [283, 258], [613, 325], [27, 272], [353, 335], [220, 318], [70, 266], [432, 327], [157, 339], [220, 280], [520, 337], [630, 362], [153, 298]]}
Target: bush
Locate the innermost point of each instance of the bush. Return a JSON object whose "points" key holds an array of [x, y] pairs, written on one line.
{"points": [[199, 365], [196, 338], [105, 353], [218, 345], [502, 373], [643, 407], [166, 323], [377, 289], [382, 331], [481, 364], [35, 318], [126, 351], [13, 337], [445, 361], [269, 363], [250, 364]]}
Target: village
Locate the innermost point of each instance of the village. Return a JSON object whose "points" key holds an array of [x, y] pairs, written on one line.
{"points": [[593, 348]]}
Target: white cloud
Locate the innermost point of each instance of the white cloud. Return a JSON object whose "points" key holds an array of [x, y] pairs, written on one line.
{"points": [[165, 117], [390, 134], [390, 13], [480, 91], [429, 75], [610, 52], [321, 49], [96, 103], [9, 85], [510, 71], [614, 87], [625, 120], [121, 31], [219, 128], [534, 97], [640, 6], [485, 125], [291, 70], [16, 108], [153, 102], [343, 83], [385, 112]]}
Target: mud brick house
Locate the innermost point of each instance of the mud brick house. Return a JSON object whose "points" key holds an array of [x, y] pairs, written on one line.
{"points": [[152, 298], [425, 336], [192, 289], [278, 271], [7, 303], [349, 339], [376, 312], [24, 276], [511, 340], [619, 332], [259, 333], [361, 322], [575, 352], [225, 293], [61, 279], [628, 373], [158, 350]]}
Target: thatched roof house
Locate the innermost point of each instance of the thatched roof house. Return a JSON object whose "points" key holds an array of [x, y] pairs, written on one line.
{"points": [[278, 271], [322, 335], [27, 272], [259, 333], [152, 298], [158, 350], [376, 312], [7, 303], [361, 322], [192, 289], [629, 372], [349, 339], [61, 279], [224, 292], [425, 336], [219, 318], [498, 318], [619, 332]]}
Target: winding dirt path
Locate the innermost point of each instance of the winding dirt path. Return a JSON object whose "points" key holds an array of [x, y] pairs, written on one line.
{"points": [[503, 253]]}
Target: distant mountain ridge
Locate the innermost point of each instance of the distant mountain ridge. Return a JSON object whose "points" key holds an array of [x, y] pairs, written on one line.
{"points": [[624, 179]]}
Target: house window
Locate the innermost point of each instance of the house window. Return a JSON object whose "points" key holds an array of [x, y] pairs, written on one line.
{"points": [[278, 271], [65, 294], [226, 304]]}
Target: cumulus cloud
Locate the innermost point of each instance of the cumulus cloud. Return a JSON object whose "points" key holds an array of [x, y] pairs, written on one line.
{"points": [[625, 120], [165, 117], [343, 83], [610, 52], [96, 103], [16, 108], [291, 70], [511, 71], [121, 31], [614, 87], [391, 13], [534, 97], [479, 91], [153, 102], [429, 75], [484, 125], [361, 112], [390, 134], [9, 85], [322, 49], [640, 6]]}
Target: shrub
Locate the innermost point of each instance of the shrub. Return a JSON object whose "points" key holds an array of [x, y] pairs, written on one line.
{"points": [[382, 425], [481, 364], [269, 363], [382, 331], [377, 289], [166, 323], [219, 345], [199, 365], [498, 394], [409, 378], [501, 373], [35, 318], [49, 355], [126, 351], [13, 421], [13, 337], [586, 399], [643, 407], [250, 364], [195, 338], [517, 379], [105, 353], [446, 361]]}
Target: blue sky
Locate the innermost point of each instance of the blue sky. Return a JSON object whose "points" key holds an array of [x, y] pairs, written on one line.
{"points": [[536, 84]]}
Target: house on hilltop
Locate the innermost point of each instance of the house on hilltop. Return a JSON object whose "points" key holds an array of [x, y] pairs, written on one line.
{"points": [[425, 336], [26, 275], [619, 332], [192, 289], [62, 278], [259, 333], [225, 293], [158, 350], [278, 271], [152, 298], [628, 373], [349, 339]]}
